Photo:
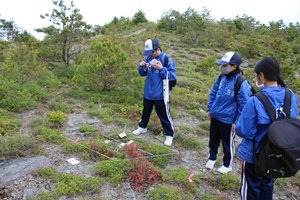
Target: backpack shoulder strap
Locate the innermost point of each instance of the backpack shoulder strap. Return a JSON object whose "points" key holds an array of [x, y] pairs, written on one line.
{"points": [[166, 61], [287, 102], [238, 84], [220, 77], [267, 104]]}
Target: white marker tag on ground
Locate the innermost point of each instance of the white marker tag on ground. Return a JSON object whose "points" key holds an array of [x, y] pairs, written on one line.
{"points": [[107, 141], [121, 145], [73, 161], [129, 142], [122, 135]]}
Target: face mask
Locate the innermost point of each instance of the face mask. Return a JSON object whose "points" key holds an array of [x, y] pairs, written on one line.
{"points": [[260, 86], [225, 70]]}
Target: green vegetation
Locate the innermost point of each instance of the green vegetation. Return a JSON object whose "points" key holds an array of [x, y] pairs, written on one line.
{"points": [[179, 175], [188, 142], [226, 182], [16, 145], [67, 184], [87, 128], [8, 122], [56, 117], [170, 193]]}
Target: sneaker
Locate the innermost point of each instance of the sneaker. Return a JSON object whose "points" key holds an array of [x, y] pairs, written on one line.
{"points": [[210, 164], [139, 131], [224, 170], [168, 140]]}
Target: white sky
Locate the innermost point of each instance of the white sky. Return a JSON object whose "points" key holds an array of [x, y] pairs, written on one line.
{"points": [[26, 12]]}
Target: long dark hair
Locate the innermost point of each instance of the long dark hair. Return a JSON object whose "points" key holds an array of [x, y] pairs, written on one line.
{"points": [[270, 68]]}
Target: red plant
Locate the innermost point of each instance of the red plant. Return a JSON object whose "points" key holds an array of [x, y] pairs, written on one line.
{"points": [[142, 170]]}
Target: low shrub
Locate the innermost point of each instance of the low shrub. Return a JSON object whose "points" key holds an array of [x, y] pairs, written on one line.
{"points": [[56, 117], [15, 97], [48, 135], [141, 170], [170, 193], [188, 142], [68, 184], [87, 128], [226, 182], [8, 122], [16, 145], [180, 175], [39, 122], [205, 125], [60, 106], [160, 161], [114, 169]]}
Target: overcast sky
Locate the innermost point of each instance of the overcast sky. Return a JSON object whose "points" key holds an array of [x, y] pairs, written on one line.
{"points": [[26, 12]]}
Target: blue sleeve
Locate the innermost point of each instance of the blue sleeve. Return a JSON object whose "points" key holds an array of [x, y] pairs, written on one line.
{"points": [[213, 93], [294, 105], [246, 126], [170, 68], [242, 97], [143, 70]]}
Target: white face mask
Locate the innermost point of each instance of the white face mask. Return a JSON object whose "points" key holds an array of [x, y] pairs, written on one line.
{"points": [[260, 86]]}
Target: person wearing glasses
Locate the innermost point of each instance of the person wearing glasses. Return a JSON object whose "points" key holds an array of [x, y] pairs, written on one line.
{"points": [[254, 123], [224, 108], [153, 68]]}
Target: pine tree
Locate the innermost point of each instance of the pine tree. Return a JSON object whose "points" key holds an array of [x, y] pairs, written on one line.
{"points": [[67, 30]]}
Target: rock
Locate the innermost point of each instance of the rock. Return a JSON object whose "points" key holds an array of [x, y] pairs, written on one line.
{"points": [[13, 169], [151, 188], [27, 192], [91, 122]]}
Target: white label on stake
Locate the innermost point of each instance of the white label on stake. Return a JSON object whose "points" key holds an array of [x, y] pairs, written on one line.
{"points": [[73, 161], [122, 135]]}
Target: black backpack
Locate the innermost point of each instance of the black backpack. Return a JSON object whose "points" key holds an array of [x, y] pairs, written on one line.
{"points": [[279, 154], [165, 64], [238, 84]]}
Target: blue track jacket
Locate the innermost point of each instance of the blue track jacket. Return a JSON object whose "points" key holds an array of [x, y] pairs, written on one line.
{"points": [[153, 89], [221, 102], [254, 120]]}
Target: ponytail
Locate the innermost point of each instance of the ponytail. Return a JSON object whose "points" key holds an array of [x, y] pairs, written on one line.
{"points": [[280, 82]]}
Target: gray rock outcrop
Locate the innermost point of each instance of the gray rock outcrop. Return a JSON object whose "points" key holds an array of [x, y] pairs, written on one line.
{"points": [[13, 169]]}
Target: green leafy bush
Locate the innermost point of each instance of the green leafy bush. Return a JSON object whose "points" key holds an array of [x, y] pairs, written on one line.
{"points": [[162, 192], [56, 117], [188, 142], [160, 161], [180, 175], [15, 97], [15, 145], [55, 106], [49, 135], [114, 169], [87, 128], [205, 125], [68, 184], [205, 64], [39, 122], [226, 182], [8, 122]]}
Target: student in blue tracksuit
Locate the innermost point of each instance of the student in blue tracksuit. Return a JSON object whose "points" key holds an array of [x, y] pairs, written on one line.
{"points": [[224, 110], [153, 91], [253, 124]]}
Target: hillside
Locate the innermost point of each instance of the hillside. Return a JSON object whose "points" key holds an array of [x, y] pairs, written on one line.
{"points": [[95, 119]]}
